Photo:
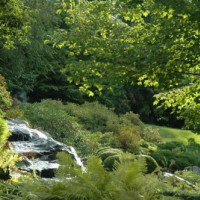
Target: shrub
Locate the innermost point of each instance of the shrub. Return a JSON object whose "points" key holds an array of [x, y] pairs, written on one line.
{"points": [[120, 131], [131, 119], [15, 113], [177, 156], [171, 145], [7, 158], [151, 135], [191, 116], [5, 99], [51, 117], [85, 142], [94, 116], [106, 138], [175, 160], [127, 139]]}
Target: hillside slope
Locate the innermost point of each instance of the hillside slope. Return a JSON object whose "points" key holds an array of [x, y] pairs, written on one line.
{"points": [[173, 134]]}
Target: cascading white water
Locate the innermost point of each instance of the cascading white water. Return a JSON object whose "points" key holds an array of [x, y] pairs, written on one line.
{"points": [[37, 148], [77, 158]]}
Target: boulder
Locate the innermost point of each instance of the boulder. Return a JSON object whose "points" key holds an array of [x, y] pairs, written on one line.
{"points": [[37, 148], [193, 169]]}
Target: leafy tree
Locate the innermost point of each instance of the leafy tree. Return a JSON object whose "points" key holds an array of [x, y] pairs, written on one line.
{"points": [[112, 42], [137, 42], [29, 61], [185, 102], [14, 22], [36, 66]]}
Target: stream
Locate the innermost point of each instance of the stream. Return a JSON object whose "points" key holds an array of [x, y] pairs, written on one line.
{"points": [[37, 148]]}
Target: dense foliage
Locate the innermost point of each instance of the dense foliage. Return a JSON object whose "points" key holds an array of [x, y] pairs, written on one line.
{"points": [[7, 158], [14, 23], [177, 156], [97, 183], [87, 126], [5, 99], [104, 61], [122, 42]]}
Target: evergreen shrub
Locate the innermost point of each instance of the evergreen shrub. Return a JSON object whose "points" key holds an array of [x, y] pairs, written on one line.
{"points": [[175, 160], [176, 155], [131, 119], [7, 158], [171, 145], [85, 142], [5, 99], [87, 126], [151, 135], [94, 116], [50, 116], [15, 113], [128, 139]]}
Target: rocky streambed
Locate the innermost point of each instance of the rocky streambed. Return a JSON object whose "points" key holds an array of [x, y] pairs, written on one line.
{"points": [[37, 148]]}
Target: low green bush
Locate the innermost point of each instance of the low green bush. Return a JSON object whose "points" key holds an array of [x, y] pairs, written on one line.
{"points": [[131, 119], [5, 99], [94, 116], [50, 116], [106, 138], [7, 158], [63, 123], [15, 113], [175, 160], [97, 117], [176, 155], [151, 135], [85, 142], [171, 145], [128, 139]]}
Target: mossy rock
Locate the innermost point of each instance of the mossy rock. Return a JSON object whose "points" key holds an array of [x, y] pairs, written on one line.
{"points": [[152, 165], [109, 152], [109, 162]]}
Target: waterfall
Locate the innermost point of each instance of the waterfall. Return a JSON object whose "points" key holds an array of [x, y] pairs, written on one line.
{"points": [[37, 148], [77, 158]]}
